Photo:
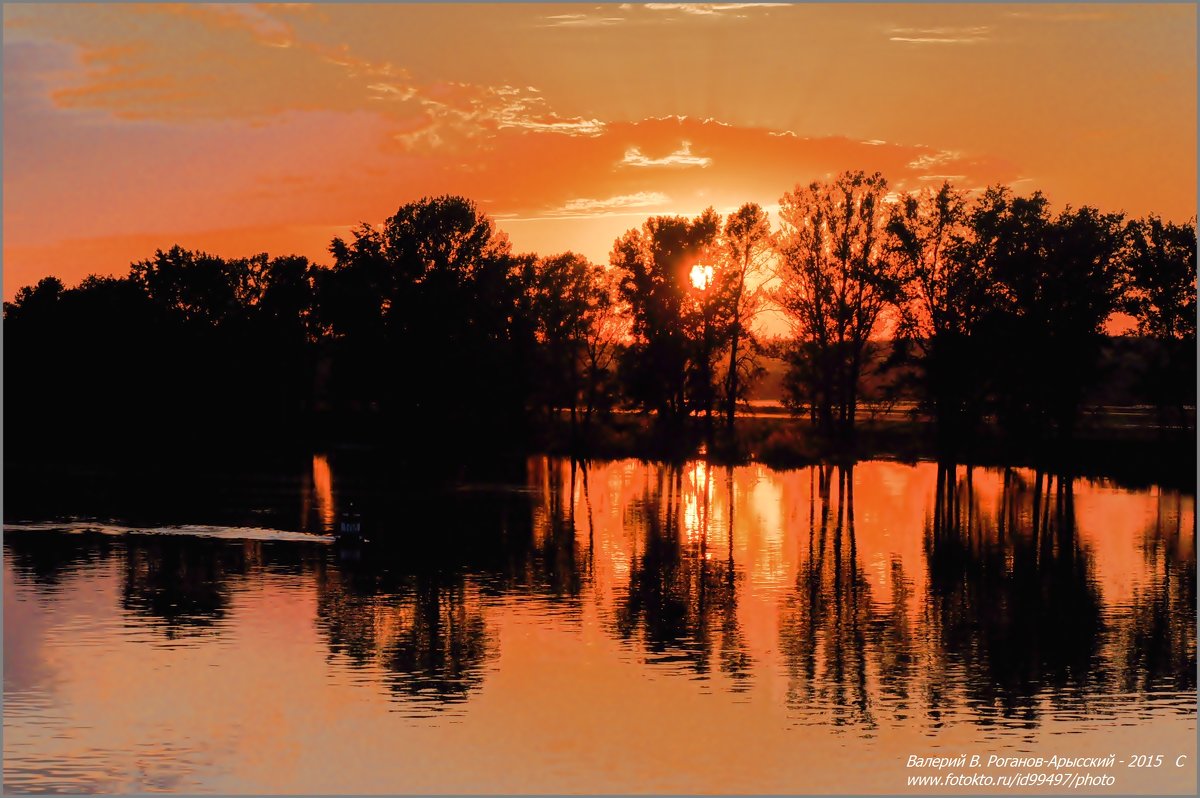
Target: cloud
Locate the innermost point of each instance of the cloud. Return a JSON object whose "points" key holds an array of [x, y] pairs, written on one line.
{"points": [[391, 91], [552, 123], [707, 9], [194, 70], [453, 113], [555, 175], [264, 26], [945, 35], [927, 161], [612, 205], [525, 109], [681, 157], [635, 14], [955, 179], [579, 21]]}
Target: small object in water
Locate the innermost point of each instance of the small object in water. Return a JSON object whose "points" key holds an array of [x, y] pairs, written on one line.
{"points": [[350, 524]]}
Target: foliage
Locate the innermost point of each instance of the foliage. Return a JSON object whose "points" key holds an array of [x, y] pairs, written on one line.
{"points": [[429, 332], [836, 278]]}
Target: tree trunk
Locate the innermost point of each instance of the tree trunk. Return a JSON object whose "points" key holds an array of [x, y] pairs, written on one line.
{"points": [[731, 380]]}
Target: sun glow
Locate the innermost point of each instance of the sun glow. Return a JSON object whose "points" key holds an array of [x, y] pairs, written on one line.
{"points": [[702, 276], [323, 490]]}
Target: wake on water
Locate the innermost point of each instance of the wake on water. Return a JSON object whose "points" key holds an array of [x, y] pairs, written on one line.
{"points": [[193, 530]]}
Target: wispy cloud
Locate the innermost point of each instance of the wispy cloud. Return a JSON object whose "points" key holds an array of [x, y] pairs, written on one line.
{"points": [[390, 91], [612, 205], [928, 161], [660, 13], [681, 157], [578, 21], [967, 35], [706, 9]]}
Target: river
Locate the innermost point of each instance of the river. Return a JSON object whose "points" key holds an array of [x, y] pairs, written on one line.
{"points": [[606, 627]]}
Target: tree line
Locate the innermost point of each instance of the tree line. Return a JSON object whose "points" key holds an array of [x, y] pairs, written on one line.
{"points": [[431, 331]]}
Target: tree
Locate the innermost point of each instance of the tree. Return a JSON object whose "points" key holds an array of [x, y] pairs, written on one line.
{"points": [[244, 325], [836, 278], [32, 300], [654, 265], [1056, 283], [1160, 293], [567, 290], [606, 333], [429, 313], [707, 319], [199, 288], [746, 244], [946, 297]]}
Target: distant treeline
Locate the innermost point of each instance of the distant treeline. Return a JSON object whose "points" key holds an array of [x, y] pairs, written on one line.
{"points": [[431, 334]]}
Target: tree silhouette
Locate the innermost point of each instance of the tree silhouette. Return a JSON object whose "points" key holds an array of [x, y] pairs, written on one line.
{"points": [[1160, 260], [655, 263], [746, 244], [947, 295], [836, 278], [429, 334], [31, 300], [604, 339], [572, 301], [1056, 282], [426, 312]]}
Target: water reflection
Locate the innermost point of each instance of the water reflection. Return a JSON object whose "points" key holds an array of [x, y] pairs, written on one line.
{"points": [[45, 561], [681, 598], [876, 601], [425, 636], [1012, 596], [180, 585], [1158, 634], [318, 496], [828, 626]]}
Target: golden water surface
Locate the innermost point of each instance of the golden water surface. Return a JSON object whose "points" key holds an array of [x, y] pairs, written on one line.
{"points": [[611, 627]]}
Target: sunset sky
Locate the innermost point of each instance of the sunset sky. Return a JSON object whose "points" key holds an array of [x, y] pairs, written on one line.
{"points": [[241, 129]]}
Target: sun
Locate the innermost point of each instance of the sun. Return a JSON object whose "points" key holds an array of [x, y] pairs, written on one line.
{"points": [[702, 276]]}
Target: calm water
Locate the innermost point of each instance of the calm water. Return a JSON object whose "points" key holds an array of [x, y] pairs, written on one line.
{"points": [[611, 628]]}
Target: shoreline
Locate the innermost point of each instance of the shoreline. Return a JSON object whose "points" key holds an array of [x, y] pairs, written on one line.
{"points": [[1135, 455]]}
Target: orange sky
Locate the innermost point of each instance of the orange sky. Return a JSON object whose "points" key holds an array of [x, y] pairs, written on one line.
{"points": [[240, 129]]}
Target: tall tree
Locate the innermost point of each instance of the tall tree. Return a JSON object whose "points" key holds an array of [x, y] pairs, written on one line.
{"points": [[655, 264], [1056, 283], [606, 333], [429, 307], [567, 291], [947, 295], [836, 278], [746, 246], [1160, 293]]}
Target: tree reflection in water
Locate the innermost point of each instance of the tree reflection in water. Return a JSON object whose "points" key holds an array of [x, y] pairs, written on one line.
{"points": [[181, 582], [46, 561], [414, 609], [827, 624], [988, 605], [424, 635], [1012, 625], [1157, 639], [1013, 603], [682, 593]]}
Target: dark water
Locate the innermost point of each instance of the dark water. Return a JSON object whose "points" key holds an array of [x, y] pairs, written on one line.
{"points": [[613, 627]]}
